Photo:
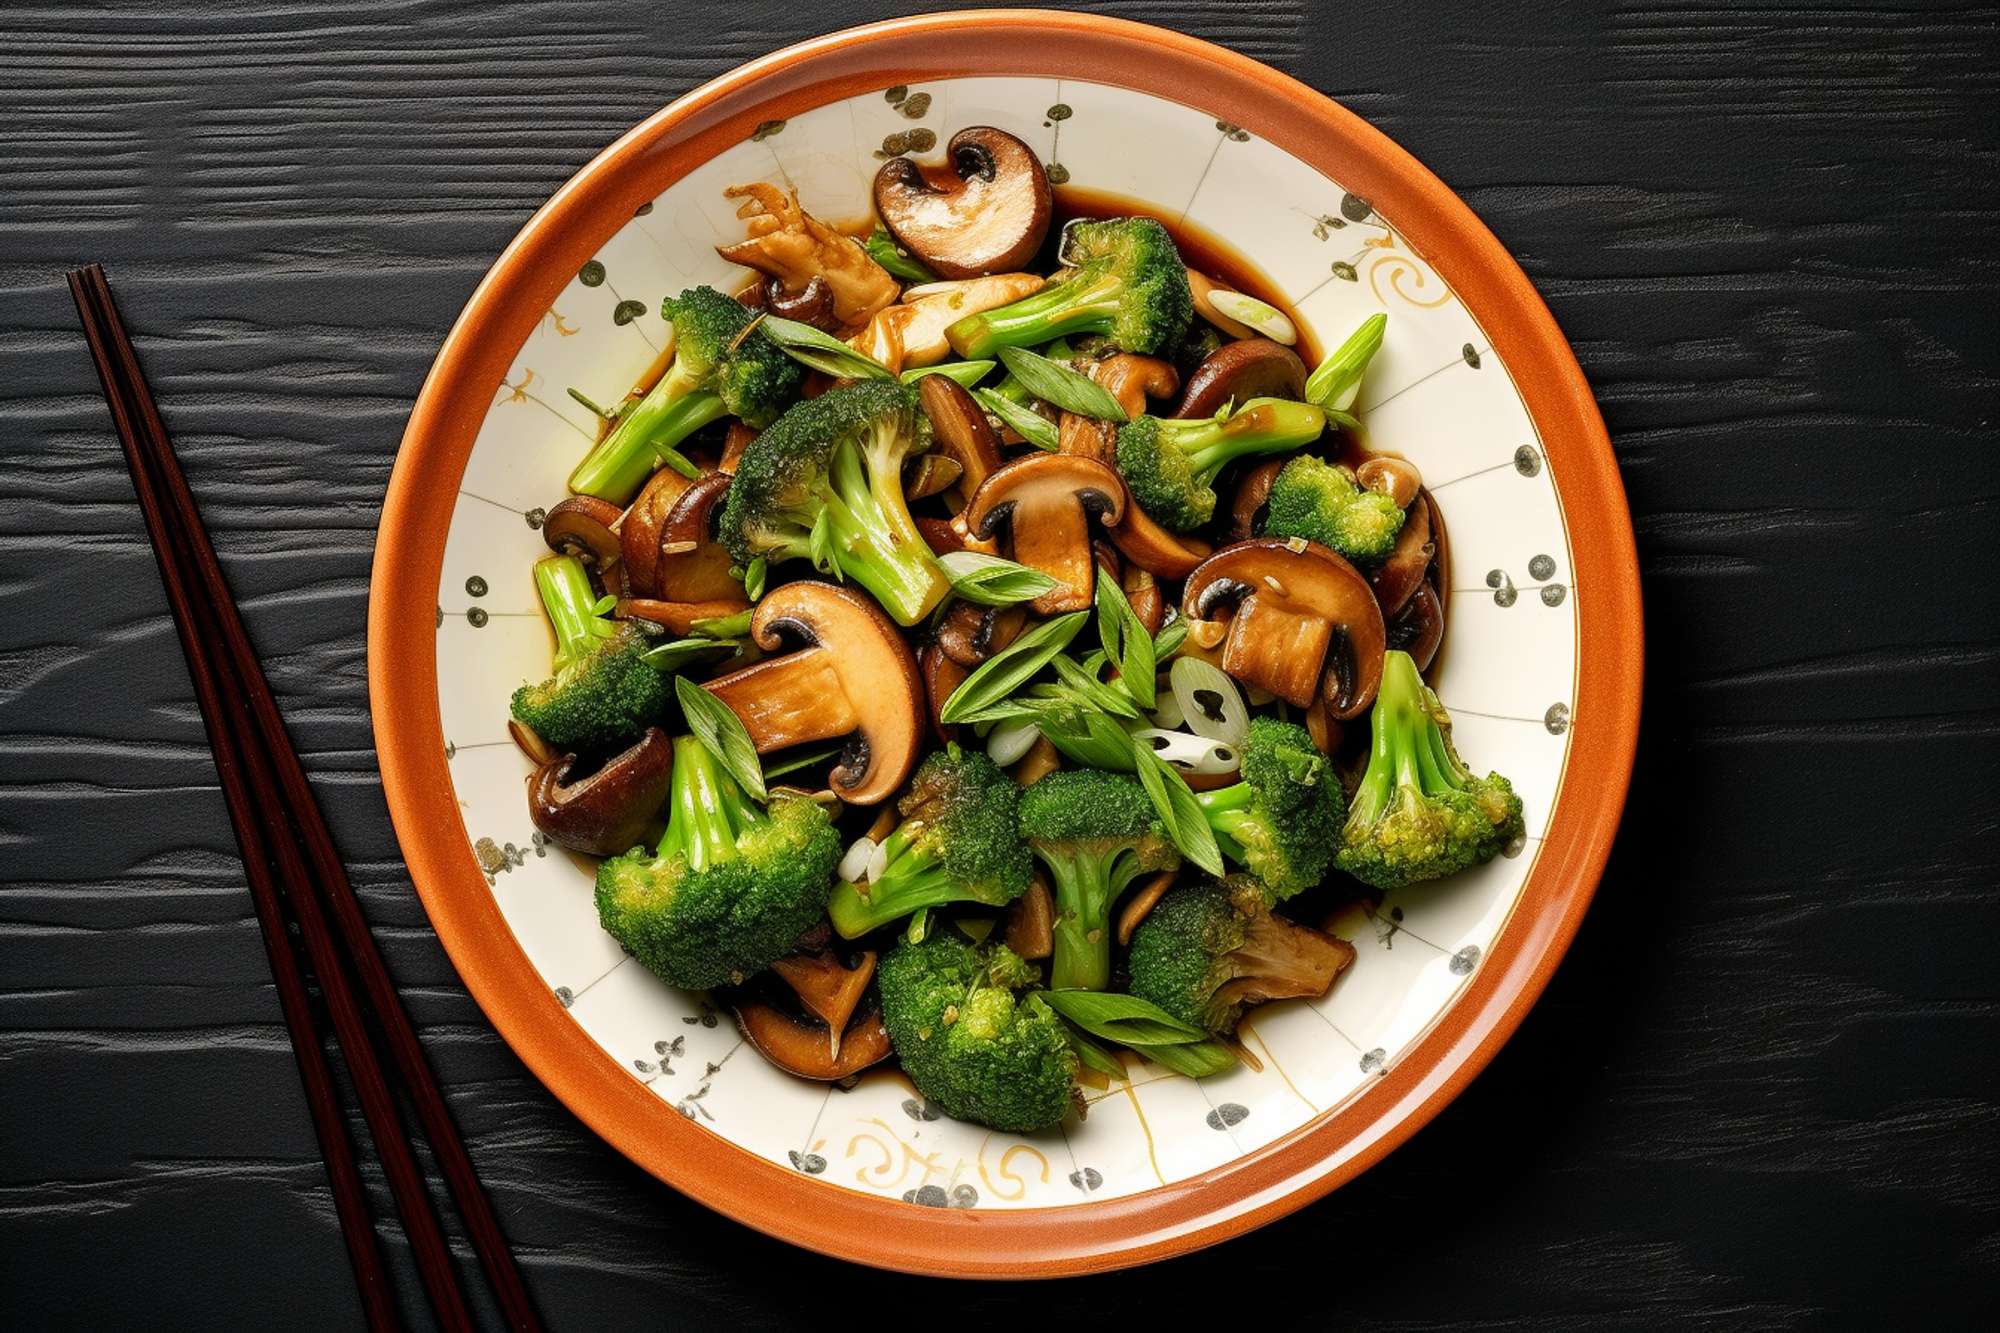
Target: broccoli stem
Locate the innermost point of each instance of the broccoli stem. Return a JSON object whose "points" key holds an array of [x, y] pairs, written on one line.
{"points": [[1395, 742], [623, 460], [856, 910], [706, 811], [1230, 811], [571, 602], [1085, 303], [1086, 886], [1260, 426], [875, 541]]}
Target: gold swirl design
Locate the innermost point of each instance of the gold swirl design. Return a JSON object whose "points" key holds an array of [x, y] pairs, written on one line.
{"points": [[554, 319], [510, 392], [880, 1170], [1006, 1173], [1401, 268]]}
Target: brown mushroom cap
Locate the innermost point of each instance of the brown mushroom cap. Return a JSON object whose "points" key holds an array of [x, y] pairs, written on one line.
{"points": [[1148, 601], [969, 633], [1045, 502], [993, 222], [1154, 549], [1305, 623], [1397, 577], [941, 676], [1253, 491], [1418, 629], [854, 677], [639, 534], [830, 991], [1131, 380], [610, 811], [692, 565], [680, 617], [811, 304], [1394, 477], [1239, 371], [581, 526], [802, 1048], [1031, 921], [960, 429]]}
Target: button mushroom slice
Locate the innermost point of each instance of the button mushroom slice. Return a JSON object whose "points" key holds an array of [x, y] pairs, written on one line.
{"points": [[970, 634], [1031, 921], [991, 221], [1131, 380], [854, 677], [1155, 550], [691, 565], [1394, 477], [789, 244], [639, 531], [1325, 732], [1148, 602], [1240, 371], [680, 617], [1044, 504], [610, 811], [1440, 570], [582, 526], [1418, 628], [960, 430], [1403, 569], [912, 333], [940, 534], [941, 676], [930, 474], [811, 304], [801, 1048], [1140, 904], [1040, 761], [1252, 493], [1304, 624], [830, 991]]}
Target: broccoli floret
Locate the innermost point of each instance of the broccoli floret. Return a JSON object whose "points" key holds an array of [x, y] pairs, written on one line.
{"points": [[718, 370], [604, 692], [1322, 502], [1096, 832], [1208, 950], [1419, 812], [1125, 281], [1169, 464], [732, 885], [1282, 821], [825, 483], [973, 1048], [959, 842]]}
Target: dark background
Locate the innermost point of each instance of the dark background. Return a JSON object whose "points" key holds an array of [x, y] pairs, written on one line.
{"points": [[1761, 1092]]}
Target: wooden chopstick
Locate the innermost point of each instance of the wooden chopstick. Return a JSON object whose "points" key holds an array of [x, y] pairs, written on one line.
{"points": [[278, 797]]}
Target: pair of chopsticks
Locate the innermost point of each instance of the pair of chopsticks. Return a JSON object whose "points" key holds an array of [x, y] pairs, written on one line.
{"points": [[291, 863]]}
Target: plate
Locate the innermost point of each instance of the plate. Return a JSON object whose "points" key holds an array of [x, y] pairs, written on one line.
{"points": [[1474, 384]]}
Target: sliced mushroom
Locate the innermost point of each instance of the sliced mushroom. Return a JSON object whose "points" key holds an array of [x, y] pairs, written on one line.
{"points": [[960, 430], [1140, 904], [942, 535], [830, 991], [1325, 732], [929, 474], [680, 617], [1031, 921], [1305, 625], [801, 1048], [1418, 628], [1396, 478], [1131, 380], [1400, 573], [912, 333], [1044, 503], [733, 444], [1253, 492], [529, 742], [582, 526], [672, 555], [610, 811], [1148, 603], [1440, 570], [1240, 371], [1040, 761], [941, 676], [811, 304], [992, 222], [855, 677], [1155, 550], [639, 533], [969, 634], [794, 247]]}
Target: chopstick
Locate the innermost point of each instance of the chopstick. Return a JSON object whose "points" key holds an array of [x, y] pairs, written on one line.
{"points": [[284, 840]]}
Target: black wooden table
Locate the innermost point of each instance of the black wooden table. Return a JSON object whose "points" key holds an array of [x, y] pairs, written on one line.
{"points": [[1763, 1091]]}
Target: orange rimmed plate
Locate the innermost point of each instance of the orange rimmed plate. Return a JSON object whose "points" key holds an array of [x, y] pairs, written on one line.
{"points": [[1475, 384]]}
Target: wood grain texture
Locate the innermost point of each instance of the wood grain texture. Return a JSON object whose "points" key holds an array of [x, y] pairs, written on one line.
{"points": [[1763, 1092]]}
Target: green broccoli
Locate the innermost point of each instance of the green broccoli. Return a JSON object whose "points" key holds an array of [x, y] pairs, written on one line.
{"points": [[1096, 832], [1125, 280], [1322, 502], [1419, 812], [732, 886], [1282, 821], [604, 692], [959, 842], [718, 370], [1208, 950], [1170, 464], [975, 1050], [825, 483]]}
